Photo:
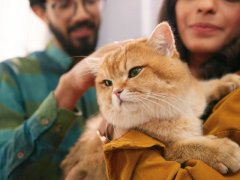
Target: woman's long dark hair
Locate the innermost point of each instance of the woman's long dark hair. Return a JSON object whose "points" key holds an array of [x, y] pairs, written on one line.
{"points": [[225, 61]]}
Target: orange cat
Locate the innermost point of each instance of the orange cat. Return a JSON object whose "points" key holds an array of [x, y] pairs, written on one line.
{"points": [[144, 86]]}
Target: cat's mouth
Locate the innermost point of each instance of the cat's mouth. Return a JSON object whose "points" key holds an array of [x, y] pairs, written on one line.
{"points": [[121, 106], [118, 103]]}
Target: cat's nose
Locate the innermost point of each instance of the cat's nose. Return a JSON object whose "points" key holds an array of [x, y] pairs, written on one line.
{"points": [[118, 92]]}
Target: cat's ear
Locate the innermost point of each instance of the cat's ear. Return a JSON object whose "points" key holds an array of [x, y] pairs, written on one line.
{"points": [[162, 39]]}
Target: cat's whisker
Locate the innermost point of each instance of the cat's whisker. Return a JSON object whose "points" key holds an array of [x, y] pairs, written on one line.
{"points": [[165, 101], [134, 97], [167, 95], [146, 107], [163, 96], [173, 100], [142, 105], [138, 98], [155, 101], [74, 57], [71, 57]]}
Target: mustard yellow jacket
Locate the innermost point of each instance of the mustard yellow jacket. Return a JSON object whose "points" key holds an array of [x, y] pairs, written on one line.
{"points": [[137, 156]]}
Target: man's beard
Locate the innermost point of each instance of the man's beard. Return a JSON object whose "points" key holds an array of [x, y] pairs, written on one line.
{"points": [[85, 45]]}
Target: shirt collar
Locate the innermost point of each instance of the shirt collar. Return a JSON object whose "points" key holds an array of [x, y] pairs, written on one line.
{"points": [[59, 56]]}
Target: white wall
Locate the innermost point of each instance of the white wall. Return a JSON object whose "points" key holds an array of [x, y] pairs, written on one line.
{"points": [[22, 32], [124, 19]]}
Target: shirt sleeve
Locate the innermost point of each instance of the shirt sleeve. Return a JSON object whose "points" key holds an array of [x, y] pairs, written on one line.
{"points": [[27, 138], [44, 130]]}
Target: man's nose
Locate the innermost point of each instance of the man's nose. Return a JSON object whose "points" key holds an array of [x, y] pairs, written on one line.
{"points": [[81, 12]]}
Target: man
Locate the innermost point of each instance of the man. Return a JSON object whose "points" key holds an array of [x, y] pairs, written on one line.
{"points": [[43, 105]]}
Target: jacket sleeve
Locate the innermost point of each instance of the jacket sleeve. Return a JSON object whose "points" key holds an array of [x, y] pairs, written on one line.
{"points": [[153, 166], [225, 119], [25, 138]]}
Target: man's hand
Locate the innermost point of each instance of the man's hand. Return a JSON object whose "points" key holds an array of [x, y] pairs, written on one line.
{"points": [[74, 83]]}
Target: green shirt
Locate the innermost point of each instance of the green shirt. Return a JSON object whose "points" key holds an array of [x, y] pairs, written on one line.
{"points": [[35, 135]]}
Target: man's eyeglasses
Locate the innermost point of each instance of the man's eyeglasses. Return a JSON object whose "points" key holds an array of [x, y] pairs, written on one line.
{"points": [[66, 9]]}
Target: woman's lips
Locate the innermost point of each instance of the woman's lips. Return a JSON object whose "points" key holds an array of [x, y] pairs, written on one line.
{"points": [[205, 28]]}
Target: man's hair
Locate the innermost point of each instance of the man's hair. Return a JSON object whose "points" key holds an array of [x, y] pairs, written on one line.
{"points": [[37, 2]]}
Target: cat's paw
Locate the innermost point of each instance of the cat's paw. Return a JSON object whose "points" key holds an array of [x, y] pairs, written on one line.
{"points": [[221, 87], [229, 83], [225, 156], [221, 154]]}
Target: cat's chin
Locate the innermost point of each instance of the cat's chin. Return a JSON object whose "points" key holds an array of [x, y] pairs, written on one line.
{"points": [[123, 105], [127, 119]]}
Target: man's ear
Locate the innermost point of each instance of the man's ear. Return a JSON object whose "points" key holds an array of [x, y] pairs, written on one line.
{"points": [[40, 12]]}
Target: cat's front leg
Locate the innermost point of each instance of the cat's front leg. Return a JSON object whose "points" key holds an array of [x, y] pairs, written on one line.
{"points": [[221, 154], [216, 89], [85, 160]]}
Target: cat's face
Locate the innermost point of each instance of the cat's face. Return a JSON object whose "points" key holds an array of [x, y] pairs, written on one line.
{"points": [[136, 84]]}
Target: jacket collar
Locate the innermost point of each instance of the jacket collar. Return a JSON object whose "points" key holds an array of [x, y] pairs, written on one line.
{"points": [[133, 139]]}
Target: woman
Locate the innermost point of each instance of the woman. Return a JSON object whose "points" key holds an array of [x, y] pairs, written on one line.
{"points": [[207, 34]]}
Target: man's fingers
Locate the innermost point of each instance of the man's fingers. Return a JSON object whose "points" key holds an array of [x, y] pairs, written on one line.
{"points": [[110, 47]]}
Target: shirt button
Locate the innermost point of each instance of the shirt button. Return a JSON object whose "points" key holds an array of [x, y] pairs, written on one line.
{"points": [[57, 128], [79, 113], [45, 122], [20, 155]]}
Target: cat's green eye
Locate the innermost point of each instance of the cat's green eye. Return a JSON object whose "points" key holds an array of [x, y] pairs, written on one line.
{"points": [[134, 71], [107, 83]]}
